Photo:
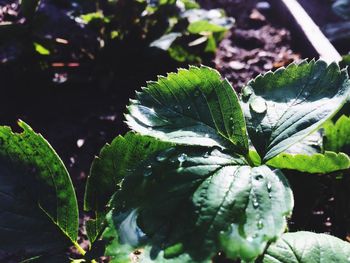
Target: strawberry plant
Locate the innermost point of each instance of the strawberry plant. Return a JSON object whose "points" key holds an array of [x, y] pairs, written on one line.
{"points": [[178, 27], [198, 178]]}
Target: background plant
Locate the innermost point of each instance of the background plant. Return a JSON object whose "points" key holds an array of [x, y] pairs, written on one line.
{"points": [[178, 27]]}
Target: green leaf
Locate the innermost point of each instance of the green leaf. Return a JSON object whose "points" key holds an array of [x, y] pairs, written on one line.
{"points": [[337, 135], [311, 144], [38, 207], [345, 61], [90, 17], [316, 163], [190, 4], [193, 204], [199, 27], [307, 247], [194, 107], [201, 20], [115, 161], [28, 8], [283, 107], [165, 41], [41, 49]]}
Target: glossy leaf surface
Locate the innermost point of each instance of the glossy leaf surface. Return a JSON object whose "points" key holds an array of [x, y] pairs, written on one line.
{"points": [[283, 107], [193, 107], [194, 203], [307, 247]]}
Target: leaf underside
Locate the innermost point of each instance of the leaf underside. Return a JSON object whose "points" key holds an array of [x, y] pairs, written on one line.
{"points": [[283, 107], [38, 207], [195, 204], [193, 107], [307, 247]]}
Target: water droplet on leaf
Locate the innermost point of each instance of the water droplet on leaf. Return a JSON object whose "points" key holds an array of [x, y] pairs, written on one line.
{"points": [[206, 155], [255, 203], [246, 92], [260, 224], [80, 143], [148, 171], [250, 239], [269, 186], [182, 158], [206, 135], [258, 105]]}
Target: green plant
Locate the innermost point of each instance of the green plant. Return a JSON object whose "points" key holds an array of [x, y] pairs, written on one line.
{"points": [[178, 27], [198, 178], [24, 31]]}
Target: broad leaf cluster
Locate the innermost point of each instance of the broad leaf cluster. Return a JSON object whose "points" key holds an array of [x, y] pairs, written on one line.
{"points": [[209, 192], [198, 176]]}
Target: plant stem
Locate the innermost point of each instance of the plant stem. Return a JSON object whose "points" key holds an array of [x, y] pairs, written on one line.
{"points": [[79, 248], [249, 160]]}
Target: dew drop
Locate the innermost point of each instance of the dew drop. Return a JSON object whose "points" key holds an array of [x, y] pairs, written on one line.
{"points": [[161, 158], [206, 155], [255, 203], [258, 105], [206, 135], [189, 107], [250, 239], [80, 143], [260, 224], [164, 155], [306, 93], [148, 171], [246, 92], [269, 187], [182, 158]]}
